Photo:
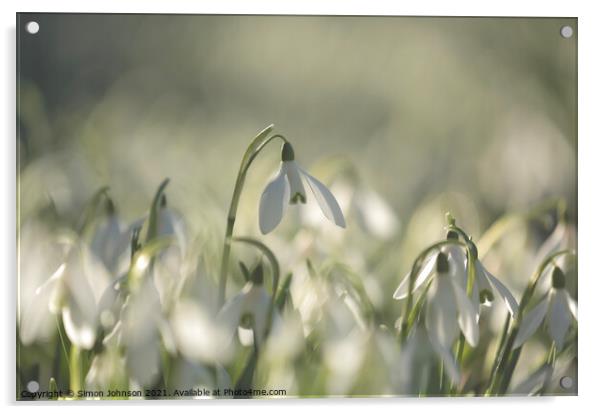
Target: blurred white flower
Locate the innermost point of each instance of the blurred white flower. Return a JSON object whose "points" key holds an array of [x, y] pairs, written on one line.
{"points": [[190, 375], [198, 335], [44, 255], [75, 290], [449, 311], [563, 237], [249, 308], [169, 265], [287, 187], [557, 308], [110, 241], [140, 333], [372, 212]]}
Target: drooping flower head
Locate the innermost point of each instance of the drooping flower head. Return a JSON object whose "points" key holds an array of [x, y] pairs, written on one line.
{"points": [[288, 188], [557, 309]]}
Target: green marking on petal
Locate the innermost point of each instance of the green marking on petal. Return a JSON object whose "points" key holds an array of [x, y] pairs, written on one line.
{"points": [[558, 278], [298, 198], [485, 296], [442, 263]]}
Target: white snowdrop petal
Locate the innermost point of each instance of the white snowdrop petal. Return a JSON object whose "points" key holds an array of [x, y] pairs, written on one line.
{"points": [[328, 204], [535, 381], [423, 275], [441, 316], [229, 316], [467, 315], [572, 305], [559, 317], [530, 323], [79, 327], [505, 293], [257, 303], [273, 203]]}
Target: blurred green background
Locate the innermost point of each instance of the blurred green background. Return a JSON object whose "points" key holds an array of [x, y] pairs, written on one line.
{"points": [[485, 107]]}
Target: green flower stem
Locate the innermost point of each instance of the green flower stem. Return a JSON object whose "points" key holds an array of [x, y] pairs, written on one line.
{"points": [[258, 143], [75, 366], [508, 357], [407, 310]]}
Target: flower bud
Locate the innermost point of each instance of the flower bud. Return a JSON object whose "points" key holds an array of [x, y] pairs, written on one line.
{"points": [[558, 278], [288, 154], [442, 263]]}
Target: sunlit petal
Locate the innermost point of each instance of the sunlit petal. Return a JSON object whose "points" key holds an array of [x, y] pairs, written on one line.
{"points": [[559, 318], [441, 316], [423, 275], [531, 322], [504, 292], [273, 203], [328, 204], [467, 314]]}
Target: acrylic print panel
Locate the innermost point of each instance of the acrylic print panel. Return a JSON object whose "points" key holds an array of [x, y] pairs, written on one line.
{"points": [[295, 206]]}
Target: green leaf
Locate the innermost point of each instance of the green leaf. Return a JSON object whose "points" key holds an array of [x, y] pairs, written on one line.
{"points": [[283, 293], [245, 271], [153, 219]]}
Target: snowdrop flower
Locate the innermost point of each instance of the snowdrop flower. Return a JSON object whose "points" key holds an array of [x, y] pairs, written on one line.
{"points": [[197, 334], [75, 289], [287, 187], [485, 284], [250, 308], [449, 311], [557, 309], [169, 266], [110, 241], [44, 256]]}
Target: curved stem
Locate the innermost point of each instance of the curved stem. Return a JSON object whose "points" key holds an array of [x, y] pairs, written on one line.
{"points": [[252, 151]]}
